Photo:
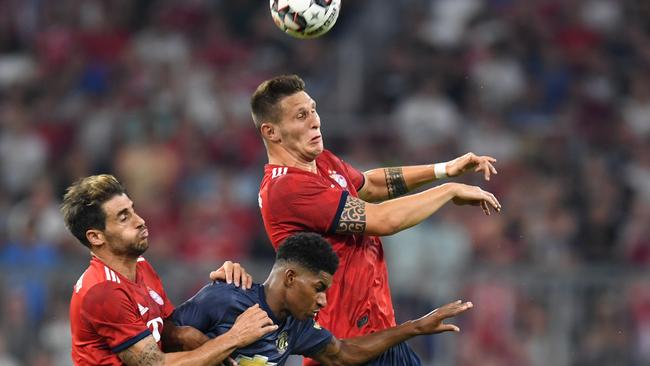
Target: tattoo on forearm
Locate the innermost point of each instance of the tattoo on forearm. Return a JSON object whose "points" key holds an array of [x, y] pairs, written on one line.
{"points": [[148, 355], [395, 182], [353, 217]]}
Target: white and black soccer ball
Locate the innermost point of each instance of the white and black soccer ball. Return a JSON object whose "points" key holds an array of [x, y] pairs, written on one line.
{"points": [[305, 18]]}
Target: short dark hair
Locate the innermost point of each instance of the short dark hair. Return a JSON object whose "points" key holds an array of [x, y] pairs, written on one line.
{"points": [[309, 250], [82, 203], [265, 100]]}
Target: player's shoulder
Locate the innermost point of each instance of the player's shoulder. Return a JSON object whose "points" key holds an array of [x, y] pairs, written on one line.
{"points": [[97, 274], [224, 294], [146, 267], [287, 180], [97, 293]]}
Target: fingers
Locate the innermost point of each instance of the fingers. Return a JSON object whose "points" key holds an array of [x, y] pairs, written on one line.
{"points": [[247, 281], [252, 324], [492, 200], [484, 164], [454, 308], [485, 207], [237, 271], [233, 273], [448, 328], [223, 273], [227, 267], [214, 275]]}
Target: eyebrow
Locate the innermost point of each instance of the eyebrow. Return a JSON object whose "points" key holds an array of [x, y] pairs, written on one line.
{"points": [[124, 210]]}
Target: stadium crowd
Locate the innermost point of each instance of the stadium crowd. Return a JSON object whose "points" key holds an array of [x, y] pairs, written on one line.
{"points": [[157, 93]]}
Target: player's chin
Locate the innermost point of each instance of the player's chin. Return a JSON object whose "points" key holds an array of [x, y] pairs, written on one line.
{"points": [[315, 149], [141, 246], [306, 316]]}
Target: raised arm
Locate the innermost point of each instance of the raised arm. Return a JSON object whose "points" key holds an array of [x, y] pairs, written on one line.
{"points": [[387, 183], [249, 326], [393, 216], [362, 349]]}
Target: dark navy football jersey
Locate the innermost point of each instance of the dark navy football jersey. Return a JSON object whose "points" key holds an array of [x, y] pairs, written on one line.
{"points": [[215, 307]]}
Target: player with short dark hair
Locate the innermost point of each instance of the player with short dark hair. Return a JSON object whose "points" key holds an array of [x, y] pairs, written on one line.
{"points": [[292, 295], [308, 188], [119, 312]]}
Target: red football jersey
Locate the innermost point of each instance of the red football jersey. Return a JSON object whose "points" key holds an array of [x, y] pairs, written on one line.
{"points": [[293, 200], [109, 313]]}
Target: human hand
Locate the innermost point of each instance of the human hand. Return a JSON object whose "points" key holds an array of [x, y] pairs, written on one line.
{"points": [[251, 325], [471, 161], [434, 321], [475, 196], [232, 272]]}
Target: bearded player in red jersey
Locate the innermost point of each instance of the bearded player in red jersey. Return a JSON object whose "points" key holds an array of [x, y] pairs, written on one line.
{"points": [[308, 188], [119, 312]]}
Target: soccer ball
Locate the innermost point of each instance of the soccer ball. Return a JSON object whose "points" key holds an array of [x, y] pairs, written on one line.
{"points": [[305, 18]]}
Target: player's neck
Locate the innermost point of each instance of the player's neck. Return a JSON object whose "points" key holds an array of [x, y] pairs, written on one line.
{"points": [[275, 298], [281, 156], [125, 265]]}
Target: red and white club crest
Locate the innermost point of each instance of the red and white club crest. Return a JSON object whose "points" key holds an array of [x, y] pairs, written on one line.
{"points": [[154, 295], [338, 178]]}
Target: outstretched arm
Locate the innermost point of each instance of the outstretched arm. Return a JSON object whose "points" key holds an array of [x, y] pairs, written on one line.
{"points": [[393, 216], [362, 349], [387, 183]]}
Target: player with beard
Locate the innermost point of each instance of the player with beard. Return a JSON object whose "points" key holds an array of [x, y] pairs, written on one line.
{"points": [[119, 312]]}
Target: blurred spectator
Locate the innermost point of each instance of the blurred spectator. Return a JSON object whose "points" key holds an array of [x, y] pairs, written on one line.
{"points": [[157, 92]]}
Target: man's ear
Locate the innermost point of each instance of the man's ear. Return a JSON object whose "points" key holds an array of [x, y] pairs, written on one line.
{"points": [[270, 132], [95, 237], [289, 277]]}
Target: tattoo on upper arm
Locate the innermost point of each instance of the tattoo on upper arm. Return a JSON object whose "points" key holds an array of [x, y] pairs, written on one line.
{"points": [[395, 182], [143, 354], [353, 217]]}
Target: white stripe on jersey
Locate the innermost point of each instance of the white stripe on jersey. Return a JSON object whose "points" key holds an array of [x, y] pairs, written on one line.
{"points": [[111, 276], [276, 172]]}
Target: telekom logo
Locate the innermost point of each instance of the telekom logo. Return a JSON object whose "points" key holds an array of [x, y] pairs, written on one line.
{"points": [[155, 325]]}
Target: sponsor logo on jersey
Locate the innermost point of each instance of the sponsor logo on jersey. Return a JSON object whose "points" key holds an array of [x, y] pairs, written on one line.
{"points": [[256, 360], [283, 342]]}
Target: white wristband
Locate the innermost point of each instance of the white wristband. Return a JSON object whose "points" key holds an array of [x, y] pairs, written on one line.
{"points": [[440, 170]]}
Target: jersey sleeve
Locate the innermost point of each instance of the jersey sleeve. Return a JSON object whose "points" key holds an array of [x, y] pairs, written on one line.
{"points": [[204, 309], [356, 177], [114, 316], [308, 203], [312, 339]]}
